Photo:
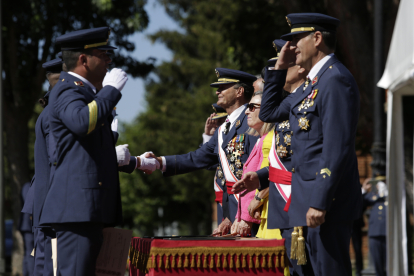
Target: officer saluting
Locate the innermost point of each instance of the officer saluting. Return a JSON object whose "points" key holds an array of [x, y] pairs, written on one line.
{"points": [[323, 115], [84, 193]]}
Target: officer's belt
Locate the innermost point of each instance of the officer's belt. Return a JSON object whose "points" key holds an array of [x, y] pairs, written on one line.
{"points": [[281, 177], [229, 186], [219, 197]]}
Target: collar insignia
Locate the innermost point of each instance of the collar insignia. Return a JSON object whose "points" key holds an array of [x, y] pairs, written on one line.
{"points": [[315, 80], [79, 83], [237, 123]]}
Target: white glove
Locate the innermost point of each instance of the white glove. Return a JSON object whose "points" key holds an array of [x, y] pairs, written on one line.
{"points": [[116, 78], [148, 163], [122, 155], [114, 125], [382, 189]]}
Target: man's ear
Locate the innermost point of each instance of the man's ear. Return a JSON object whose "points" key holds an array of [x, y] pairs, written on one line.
{"points": [[317, 36], [83, 59], [301, 70], [240, 92]]}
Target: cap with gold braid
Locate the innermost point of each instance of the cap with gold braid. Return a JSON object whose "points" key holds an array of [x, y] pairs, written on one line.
{"points": [[309, 22], [226, 76], [96, 38]]}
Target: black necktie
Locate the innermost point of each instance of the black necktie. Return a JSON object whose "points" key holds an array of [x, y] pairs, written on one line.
{"points": [[226, 130]]}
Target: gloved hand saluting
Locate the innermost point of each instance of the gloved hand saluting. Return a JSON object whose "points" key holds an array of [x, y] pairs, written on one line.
{"points": [[116, 78], [122, 155]]}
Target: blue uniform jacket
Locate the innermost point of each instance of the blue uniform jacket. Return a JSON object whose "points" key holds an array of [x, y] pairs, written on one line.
{"points": [[324, 164], [207, 155], [25, 224], [85, 185], [277, 217], [377, 217]]}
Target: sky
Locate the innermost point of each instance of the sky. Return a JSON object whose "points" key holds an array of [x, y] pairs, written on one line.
{"points": [[133, 102]]}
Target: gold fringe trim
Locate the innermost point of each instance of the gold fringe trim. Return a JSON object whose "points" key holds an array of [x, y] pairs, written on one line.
{"points": [[198, 257]]}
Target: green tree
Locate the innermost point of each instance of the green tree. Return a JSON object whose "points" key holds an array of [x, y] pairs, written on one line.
{"points": [[28, 33]]}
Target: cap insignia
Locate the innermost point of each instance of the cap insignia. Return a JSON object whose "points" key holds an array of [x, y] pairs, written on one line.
{"points": [[78, 83], [288, 21], [217, 73]]}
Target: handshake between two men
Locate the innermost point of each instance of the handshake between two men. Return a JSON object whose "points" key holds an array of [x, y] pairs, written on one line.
{"points": [[146, 162]]}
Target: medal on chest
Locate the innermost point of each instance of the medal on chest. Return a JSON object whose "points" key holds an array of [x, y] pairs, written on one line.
{"points": [[281, 151], [287, 139], [309, 100], [304, 123]]}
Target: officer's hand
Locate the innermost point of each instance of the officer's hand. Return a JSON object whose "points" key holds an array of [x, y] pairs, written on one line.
{"points": [[253, 206], [116, 78], [366, 186], [150, 154], [287, 57], [244, 228], [249, 182], [122, 155], [148, 163], [315, 217], [224, 227], [211, 125]]}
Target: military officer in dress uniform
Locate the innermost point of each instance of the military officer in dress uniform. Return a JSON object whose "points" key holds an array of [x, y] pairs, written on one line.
{"points": [[323, 114], [83, 196], [377, 231], [230, 146]]}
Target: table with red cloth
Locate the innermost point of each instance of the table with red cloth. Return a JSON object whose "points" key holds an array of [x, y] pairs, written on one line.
{"points": [[203, 257]]}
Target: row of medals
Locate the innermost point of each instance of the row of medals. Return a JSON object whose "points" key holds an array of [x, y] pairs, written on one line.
{"points": [[235, 149], [306, 103], [287, 138]]}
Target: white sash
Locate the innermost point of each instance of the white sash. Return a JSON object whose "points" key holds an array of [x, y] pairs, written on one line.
{"points": [[228, 174], [274, 161]]}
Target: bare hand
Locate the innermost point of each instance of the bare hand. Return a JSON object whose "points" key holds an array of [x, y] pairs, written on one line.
{"points": [[315, 217], [211, 125], [287, 57], [223, 228], [253, 206], [159, 159], [244, 228], [248, 183], [234, 227]]}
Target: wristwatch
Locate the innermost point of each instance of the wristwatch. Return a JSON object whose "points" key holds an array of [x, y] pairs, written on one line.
{"points": [[257, 198]]}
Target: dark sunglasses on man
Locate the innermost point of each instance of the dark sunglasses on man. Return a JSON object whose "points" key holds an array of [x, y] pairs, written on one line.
{"points": [[252, 106]]}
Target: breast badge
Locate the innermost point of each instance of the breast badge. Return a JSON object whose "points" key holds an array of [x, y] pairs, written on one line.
{"points": [[288, 139], [239, 174], [304, 123], [277, 139], [281, 151], [220, 174]]}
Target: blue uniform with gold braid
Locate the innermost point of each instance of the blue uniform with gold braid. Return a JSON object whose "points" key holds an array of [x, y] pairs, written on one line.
{"points": [[84, 193], [208, 154], [323, 115]]}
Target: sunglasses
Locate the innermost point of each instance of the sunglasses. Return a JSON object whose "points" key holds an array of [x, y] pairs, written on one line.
{"points": [[252, 106]]}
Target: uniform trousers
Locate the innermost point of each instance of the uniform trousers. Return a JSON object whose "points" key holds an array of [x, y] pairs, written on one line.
{"points": [[43, 263], [28, 260], [295, 269], [377, 249], [78, 246], [328, 248]]}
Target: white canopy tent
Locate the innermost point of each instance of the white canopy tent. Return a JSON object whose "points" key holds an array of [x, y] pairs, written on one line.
{"points": [[398, 78]]}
